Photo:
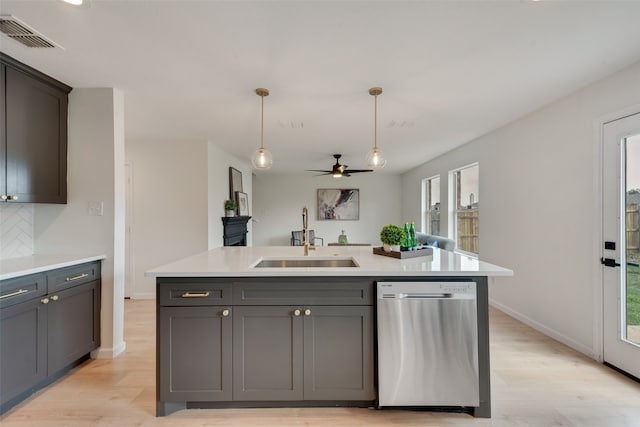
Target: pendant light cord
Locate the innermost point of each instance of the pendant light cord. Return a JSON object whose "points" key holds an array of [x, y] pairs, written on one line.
{"points": [[262, 123], [375, 123]]}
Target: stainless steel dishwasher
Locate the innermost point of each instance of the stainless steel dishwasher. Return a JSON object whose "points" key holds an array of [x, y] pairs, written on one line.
{"points": [[427, 344]]}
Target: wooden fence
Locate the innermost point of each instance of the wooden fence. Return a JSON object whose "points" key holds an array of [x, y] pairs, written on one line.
{"points": [[633, 233], [467, 227]]}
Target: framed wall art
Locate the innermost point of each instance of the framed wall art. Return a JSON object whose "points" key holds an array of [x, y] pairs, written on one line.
{"points": [[242, 200], [338, 204], [235, 181]]}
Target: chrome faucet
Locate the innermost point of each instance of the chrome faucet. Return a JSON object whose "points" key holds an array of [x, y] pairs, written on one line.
{"points": [[305, 232]]}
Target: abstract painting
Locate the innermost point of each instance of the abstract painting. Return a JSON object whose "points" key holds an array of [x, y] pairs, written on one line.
{"points": [[338, 204]]}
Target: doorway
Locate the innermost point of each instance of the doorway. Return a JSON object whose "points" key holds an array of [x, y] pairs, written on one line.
{"points": [[620, 248]]}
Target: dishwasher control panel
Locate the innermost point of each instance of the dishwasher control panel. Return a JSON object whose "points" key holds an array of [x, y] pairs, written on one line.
{"points": [[426, 290]]}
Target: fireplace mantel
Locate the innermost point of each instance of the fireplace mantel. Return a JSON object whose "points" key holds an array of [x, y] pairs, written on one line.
{"points": [[235, 230]]}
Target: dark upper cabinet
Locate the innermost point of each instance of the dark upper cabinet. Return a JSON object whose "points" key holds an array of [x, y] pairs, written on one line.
{"points": [[33, 140]]}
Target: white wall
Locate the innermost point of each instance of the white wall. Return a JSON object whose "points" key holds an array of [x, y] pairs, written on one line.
{"points": [[219, 163], [538, 210], [279, 199], [95, 170], [169, 195]]}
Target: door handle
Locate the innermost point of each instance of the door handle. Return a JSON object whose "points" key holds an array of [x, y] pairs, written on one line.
{"points": [[609, 262]]}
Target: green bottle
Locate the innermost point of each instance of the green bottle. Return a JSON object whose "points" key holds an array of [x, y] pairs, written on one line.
{"points": [[406, 242], [413, 241]]}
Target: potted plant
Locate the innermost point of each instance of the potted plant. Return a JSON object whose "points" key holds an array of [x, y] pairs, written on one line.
{"points": [[230, 207], [391, 237]]}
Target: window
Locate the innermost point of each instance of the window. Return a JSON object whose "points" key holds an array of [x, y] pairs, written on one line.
{"points": [[466, 196], [431, 205]]}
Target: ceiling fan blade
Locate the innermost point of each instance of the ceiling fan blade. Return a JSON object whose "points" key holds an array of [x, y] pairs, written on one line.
{"points": [[322, 174], [317, 170], [359, 170]]}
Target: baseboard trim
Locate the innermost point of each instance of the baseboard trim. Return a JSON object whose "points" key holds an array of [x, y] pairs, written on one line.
{"points": [[552, 333], [109, 352]]}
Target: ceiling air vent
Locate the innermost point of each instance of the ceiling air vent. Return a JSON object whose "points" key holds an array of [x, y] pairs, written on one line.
{"points": [[20, 32]]}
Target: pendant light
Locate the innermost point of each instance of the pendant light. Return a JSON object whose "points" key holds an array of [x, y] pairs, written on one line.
{"points": [[375, 158], [262, 158]]}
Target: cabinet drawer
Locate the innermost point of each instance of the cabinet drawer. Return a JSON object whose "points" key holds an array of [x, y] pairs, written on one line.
{"points": [[307, 291], [193, 292], [67, 277], [19, 289]]}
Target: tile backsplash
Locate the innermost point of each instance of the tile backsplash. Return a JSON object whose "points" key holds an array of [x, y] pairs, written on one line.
{"points": [[16, 230]]}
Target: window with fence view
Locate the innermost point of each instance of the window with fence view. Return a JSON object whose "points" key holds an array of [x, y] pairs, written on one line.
{"points": [[467, 197], [431, 205]]}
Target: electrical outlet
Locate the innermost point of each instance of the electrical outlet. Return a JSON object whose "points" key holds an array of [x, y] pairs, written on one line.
{"points": [[96, 207]]}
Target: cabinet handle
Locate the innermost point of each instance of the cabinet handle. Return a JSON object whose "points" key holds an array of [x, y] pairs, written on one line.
{"points": [[45, 300], [54, 298], [13, 294], [307, 312], [81, 276], [225, 312], [296, 312], [195, 294], [3, 197], [12, 197]]}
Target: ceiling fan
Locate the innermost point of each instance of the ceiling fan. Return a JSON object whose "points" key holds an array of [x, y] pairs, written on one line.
{"points": [[338, 170]]}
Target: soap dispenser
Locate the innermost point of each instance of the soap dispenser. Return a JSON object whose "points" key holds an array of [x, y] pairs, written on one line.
{"points": [[342, 239]]}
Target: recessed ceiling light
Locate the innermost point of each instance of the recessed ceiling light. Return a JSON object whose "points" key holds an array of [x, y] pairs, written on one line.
{"points": [[74, 2]]}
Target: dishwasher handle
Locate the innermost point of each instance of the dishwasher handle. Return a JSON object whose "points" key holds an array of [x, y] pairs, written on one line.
{"points": [[418, 295]]}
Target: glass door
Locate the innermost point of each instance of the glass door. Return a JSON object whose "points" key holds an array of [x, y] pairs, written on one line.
{"points": [[621, 246]]}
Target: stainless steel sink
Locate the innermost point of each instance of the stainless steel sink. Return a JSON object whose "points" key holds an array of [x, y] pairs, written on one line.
{"points": [[305, 263]]}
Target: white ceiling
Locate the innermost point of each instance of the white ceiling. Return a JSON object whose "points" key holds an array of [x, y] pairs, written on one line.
{"points": [[451, 70]]}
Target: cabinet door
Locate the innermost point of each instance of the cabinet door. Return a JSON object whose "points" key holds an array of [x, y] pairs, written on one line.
{"points": [[73, 325], [36, 139], [338, 353], [267, 350], [195, 354], [23, 349]]}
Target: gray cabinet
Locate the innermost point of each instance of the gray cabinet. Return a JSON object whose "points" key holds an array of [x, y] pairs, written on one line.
{"points": [[195, 354], [282, 340], [48, 322], [33, 139], [303, 353], [338, 353], [268, 353], [194, 342], [23, 350], [73, 325]]}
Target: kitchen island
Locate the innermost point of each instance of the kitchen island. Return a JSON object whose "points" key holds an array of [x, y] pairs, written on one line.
{"points": [[267, 326]]}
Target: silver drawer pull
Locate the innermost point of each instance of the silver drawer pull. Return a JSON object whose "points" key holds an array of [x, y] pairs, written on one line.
{"points": [[195, 294], [81, 276], [225, 312], [13, 294]]}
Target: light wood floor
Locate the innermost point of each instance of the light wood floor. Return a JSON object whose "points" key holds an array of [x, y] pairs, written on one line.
{"points": [[535, 382]]}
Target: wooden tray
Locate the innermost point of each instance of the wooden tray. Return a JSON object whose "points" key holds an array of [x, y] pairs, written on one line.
{"points": [[404, 254]]}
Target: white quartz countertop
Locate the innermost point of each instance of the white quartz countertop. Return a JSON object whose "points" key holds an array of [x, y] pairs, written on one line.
{"points": [[16, 267], [238, 261]]}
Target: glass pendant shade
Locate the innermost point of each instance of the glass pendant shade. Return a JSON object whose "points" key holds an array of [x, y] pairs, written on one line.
{"points": [[375, 159], [261, 159]]}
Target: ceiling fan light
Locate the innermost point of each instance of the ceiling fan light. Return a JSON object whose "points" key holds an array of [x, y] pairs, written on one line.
{"points": [[337, 175], [375, 159], [262, 159]]}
